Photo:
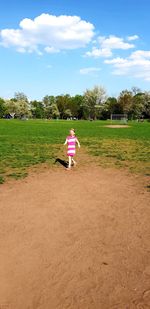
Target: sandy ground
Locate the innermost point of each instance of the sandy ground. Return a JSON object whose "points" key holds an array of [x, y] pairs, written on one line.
{"points": [[117, 126], [75, 240]]}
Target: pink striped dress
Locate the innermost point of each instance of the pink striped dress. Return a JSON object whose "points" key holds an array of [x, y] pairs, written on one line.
{"points": [[71, 141]]}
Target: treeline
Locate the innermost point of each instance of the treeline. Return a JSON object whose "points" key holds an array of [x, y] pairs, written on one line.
{"points": [[93, 104]]}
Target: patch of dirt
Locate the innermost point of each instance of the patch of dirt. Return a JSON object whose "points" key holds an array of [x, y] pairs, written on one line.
{"points": [[117, 126], [75, 239]]}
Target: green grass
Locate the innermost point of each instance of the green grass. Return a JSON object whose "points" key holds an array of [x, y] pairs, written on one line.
{"points": [[27, 143]]}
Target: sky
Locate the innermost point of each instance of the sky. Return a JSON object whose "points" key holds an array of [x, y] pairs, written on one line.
{"points": [[53, 47]]}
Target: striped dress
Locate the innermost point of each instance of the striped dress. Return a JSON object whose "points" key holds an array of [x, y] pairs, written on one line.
{"points": [[71, 141]]}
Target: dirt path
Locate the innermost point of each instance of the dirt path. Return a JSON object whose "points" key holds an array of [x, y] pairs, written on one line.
{"points": [[75, 240]]}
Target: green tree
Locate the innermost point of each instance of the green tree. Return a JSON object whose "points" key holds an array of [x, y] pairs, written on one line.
{"points": [[147, 104], [23, 109], [20, 96], [2, 108], [11, 107], [93, 99], [22, 105], [37, 109], [137, 106], [125, 101], [67, 113], [54, 111], [63, 103], [76, 106], [111, 106], [47, 102]]}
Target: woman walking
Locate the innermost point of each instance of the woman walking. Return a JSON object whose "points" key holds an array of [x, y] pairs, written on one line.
{"points": [[71, 141]]}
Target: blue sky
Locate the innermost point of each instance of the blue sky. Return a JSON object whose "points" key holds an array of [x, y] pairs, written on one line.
{"points": [[58, 47]]}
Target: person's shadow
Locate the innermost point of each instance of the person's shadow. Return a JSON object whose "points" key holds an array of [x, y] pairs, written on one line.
{"points": [[62, 162]]}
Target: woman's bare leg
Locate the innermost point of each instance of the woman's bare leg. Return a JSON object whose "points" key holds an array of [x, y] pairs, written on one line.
{"points": [[69, 166], [74, 162]]}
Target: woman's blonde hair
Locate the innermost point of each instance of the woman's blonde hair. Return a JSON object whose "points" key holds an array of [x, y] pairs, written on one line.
{"points": [[72, 130]]}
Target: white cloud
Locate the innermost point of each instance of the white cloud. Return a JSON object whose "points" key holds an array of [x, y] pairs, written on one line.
{"points": [[90, 70], [133, 37], [99, 52], [136, 65], [107, 44], [138, 54], [114, 42], [51, 50], [50, 32]]}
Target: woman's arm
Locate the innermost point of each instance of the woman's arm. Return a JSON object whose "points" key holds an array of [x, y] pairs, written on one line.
{"points": [[78, 142], [65, 142]]}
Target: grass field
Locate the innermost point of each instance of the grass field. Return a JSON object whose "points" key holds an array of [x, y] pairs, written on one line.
{"points": [[27, 143]]}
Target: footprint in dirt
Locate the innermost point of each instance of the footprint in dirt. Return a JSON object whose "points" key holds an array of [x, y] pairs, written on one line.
{"points": [[144, 301], [120, 306], [147, 271], [146, 297], [141, 303], [137, 305]]}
